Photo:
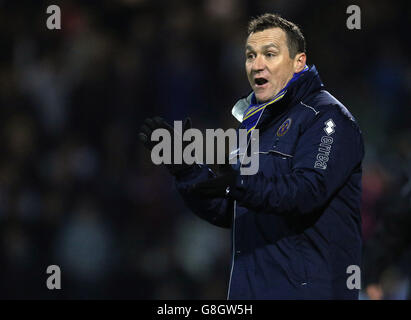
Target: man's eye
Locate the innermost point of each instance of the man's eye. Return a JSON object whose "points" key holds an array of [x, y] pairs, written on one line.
{"points": [[270, 54], [250, 56]]}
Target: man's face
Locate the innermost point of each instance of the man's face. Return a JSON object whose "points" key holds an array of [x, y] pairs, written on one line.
{"points": [[268, 63]]}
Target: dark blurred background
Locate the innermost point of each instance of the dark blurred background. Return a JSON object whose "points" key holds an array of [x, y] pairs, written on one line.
{"points": [[79, 191]]}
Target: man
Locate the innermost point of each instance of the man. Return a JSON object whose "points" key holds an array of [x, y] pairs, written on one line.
{"points": [[296, 224]]}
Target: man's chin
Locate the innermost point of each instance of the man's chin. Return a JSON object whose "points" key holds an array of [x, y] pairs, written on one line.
{"points": [[262, 98]]}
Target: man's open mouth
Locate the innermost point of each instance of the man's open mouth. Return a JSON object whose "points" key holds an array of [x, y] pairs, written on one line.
{"points": [[260, 81]]}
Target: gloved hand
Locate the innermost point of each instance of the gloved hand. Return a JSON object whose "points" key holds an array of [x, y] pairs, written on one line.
{"points": [[151, 124], [218, 187]]}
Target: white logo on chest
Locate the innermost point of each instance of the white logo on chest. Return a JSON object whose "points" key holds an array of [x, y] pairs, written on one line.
{"points": [[329, 127]]}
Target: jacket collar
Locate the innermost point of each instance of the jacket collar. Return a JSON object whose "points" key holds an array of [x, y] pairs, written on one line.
{"points": [[308, 83]]}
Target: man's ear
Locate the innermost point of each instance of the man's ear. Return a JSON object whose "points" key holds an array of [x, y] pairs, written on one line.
{"points": [[300, 60]]}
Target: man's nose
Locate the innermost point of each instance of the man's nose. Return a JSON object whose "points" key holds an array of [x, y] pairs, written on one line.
{"points": [[259, 63]]}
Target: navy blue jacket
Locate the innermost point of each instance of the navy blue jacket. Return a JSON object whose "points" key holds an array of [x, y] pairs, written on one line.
{"points": [[296, 224]]}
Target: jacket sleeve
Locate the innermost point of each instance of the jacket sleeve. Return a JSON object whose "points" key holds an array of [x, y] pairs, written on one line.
{"points": [[315, 175], [217, 211]]}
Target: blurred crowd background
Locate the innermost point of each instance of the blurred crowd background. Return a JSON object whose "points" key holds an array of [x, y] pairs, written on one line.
{"points": [[77, 189]]}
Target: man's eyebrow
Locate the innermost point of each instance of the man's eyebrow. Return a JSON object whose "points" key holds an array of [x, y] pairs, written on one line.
{"points": [[271, 45], [250, 48]]}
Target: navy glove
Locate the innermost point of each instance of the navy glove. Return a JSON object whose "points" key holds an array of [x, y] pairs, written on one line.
{"points": [[151, 124], [218, 187]]}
